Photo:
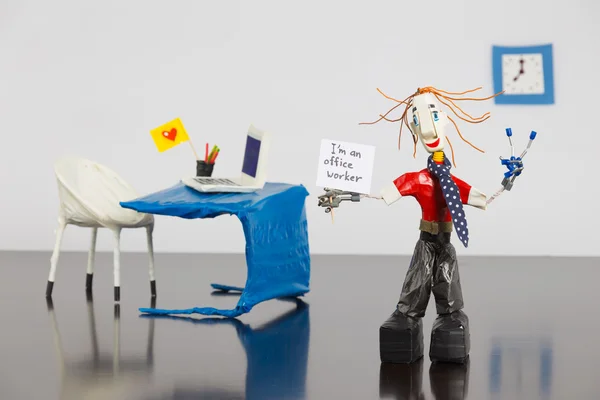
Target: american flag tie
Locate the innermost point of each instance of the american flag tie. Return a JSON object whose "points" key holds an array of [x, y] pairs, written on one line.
{"points": [[452, 197]]}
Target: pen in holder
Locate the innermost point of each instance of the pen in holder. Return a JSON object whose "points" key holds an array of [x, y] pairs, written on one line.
{"points": [[204, 168]]}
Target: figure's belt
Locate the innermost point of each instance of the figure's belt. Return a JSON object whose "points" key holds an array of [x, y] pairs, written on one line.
{"points": [[434, 227]]}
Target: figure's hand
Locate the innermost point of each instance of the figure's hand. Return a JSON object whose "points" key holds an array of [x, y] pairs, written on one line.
{"points": [[329, 200], [515, 167], [333, 197], [514, 164]]}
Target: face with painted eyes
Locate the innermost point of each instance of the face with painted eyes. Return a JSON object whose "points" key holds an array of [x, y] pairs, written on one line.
{"points": [[428, 122]]}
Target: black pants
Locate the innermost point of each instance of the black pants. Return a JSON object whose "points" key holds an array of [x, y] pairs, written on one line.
{"points": [[433, 268]]}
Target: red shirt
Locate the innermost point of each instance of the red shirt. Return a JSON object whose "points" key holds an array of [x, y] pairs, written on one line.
{"points": [[426, 189]]}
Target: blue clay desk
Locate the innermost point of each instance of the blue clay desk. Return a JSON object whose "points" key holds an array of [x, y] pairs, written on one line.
{"points": [[276, 232]]}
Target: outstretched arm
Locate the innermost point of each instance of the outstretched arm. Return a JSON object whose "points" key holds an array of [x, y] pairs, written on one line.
{"points": [[404, 185], [475, 198], [470, 195]]}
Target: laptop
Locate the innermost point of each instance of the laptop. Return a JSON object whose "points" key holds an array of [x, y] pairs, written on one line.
{"points": [[254, 166]]}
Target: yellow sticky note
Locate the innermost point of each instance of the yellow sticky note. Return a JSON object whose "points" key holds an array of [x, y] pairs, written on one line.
{"points": [[169, 135]]}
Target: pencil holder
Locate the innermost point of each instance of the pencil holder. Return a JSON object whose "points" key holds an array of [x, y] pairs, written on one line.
{"points": [[204, 169]]}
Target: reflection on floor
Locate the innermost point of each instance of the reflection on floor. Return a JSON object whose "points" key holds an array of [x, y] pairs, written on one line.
{"points": [[276, 352], [531, 338], [516, 360], [101, 376], [405, 382]]}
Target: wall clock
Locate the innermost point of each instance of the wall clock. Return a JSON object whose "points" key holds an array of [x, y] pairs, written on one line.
{"points": [[524, 73]]}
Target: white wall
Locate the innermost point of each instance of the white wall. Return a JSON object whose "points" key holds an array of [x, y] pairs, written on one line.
{"points": [[92, 78]]}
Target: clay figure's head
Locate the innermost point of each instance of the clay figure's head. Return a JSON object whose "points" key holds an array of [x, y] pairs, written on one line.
{"points": [[428, 122]]}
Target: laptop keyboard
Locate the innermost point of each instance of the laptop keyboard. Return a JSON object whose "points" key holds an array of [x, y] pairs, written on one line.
{"points": [[216, 181]]}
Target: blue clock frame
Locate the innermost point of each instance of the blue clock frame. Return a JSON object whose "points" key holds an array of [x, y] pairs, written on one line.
{"points": [[547, 97]]}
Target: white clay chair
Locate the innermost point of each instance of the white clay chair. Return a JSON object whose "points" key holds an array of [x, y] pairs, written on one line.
{"points": [[89, 195]]}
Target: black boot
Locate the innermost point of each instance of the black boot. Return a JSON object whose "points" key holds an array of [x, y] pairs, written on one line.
{"points": [[401, 339], [450, 338]]}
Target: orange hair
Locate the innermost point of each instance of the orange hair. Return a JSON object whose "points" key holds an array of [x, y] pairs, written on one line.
{"points": [[446, 98]]}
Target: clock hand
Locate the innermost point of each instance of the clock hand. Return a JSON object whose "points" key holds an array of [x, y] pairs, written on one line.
{"points": [[517, 77], [521, 71]]}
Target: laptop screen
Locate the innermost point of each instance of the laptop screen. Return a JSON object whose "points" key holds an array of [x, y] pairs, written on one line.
{"points": [[251, 156]]}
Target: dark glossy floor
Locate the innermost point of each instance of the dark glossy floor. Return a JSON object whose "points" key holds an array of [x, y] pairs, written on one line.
{"points": [[534, 332]]}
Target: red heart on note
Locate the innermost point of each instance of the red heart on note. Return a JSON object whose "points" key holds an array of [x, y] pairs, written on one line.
{"points": [[171, 135]]}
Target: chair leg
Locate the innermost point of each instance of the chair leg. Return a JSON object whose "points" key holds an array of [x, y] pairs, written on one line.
{"points": [[149, 230], [117, 263], [116, 339], [54, 259], [91, 259]]}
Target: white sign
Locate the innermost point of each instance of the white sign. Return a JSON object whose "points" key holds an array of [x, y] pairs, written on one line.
{"points": [[346, 166]]}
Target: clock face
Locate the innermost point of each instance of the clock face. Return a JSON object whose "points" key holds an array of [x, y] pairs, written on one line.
{"points": [[522, 74]]}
